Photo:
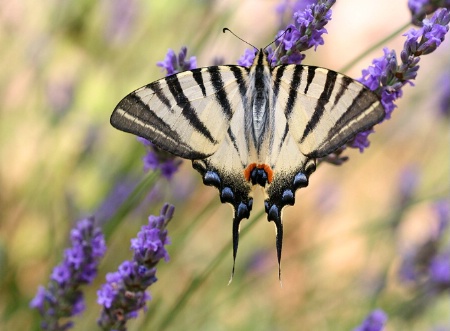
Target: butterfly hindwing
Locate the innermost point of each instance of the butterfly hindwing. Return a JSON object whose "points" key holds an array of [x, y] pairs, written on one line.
{"points": [[315, 112], [291, 170], [225, 170]]}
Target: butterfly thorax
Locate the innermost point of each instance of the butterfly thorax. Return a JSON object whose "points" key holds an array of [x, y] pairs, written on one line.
{"points": [[258, 116]]}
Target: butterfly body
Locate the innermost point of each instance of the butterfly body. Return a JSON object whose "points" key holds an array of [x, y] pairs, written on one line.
{"points": [[244, 127]]}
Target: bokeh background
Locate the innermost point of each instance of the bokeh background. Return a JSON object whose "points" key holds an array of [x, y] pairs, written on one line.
{"points": [[66, 64]]}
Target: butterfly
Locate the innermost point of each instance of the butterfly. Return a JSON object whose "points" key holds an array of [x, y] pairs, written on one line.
{"points": [[244, 127]]}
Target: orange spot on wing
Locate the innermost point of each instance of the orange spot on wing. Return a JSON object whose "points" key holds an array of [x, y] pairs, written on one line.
{"points": [[269, 172], [248, 170]]}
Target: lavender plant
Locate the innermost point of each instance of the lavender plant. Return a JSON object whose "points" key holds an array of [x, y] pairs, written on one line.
{"points": [[421, 8], [124, 293], [426, 267], [443, 86], [387, 78], [156, 159], [304, 33], [173, 64], [63, 298], [374, 322]]}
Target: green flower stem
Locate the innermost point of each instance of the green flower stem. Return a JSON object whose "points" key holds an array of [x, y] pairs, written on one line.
{"points": [[374, 47], [130, 203], [198, 280]]}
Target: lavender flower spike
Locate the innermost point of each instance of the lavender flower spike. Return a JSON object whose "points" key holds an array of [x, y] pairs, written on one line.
{"points": [[156, 159], [123, 294], [420, 8], [174, 64], [374, 322], [444, 88], [427, 266], [387, 77], [306, 32], [62, 298]]}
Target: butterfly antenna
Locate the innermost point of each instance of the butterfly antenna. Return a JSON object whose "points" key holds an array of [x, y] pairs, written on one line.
{"points": [[226, 29], [279, 37]]}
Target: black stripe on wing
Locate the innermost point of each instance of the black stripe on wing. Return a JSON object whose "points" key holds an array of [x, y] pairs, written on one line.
{"points": [[364, 112], [363, 101], [198, 76], [237, 72], [320, 106], [156, 88], [234, 142], [221, 94], [135, 116], [309, 78], [345, 82], [277, 81], [173, 83], [285, 133], [293, 90]]}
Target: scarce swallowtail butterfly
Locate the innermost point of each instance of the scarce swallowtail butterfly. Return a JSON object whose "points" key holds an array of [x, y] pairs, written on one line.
{"points": [[251, 126]]}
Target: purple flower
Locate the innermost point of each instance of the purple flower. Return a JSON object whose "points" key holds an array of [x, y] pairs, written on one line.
{"points": [[382, 71], [387, 77], [374, 322], [442, 210], [440, 270], [444, 102], [124, 292], [305, 32], [289, 38], [420, 8], [156, 159], [427, 266], [170, 167], [62, 298], [409, 178], [289, 7], [174, 64], [246, 60], [361, 141]]}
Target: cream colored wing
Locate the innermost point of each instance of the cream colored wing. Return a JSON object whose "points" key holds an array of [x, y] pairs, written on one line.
{"points": [[186, 114], [324, 108]]}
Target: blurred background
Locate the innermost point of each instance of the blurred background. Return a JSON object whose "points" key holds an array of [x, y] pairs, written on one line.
{"points": [[66, 64]]}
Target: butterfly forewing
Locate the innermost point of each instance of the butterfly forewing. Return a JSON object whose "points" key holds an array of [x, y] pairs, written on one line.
{"points": [[324, 108], [186, 114]]}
